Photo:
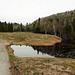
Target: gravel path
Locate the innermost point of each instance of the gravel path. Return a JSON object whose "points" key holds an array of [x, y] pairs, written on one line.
{"points": [[4, 59]]}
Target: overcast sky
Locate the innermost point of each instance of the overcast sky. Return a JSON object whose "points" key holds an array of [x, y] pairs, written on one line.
{"points": [[22, 11]]}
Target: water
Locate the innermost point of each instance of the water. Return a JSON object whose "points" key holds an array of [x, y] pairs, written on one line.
{"points": [[28, 51], [61, 50]]}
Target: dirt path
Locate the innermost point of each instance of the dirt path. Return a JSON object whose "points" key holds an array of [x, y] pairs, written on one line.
{"points": [[4, 59]]}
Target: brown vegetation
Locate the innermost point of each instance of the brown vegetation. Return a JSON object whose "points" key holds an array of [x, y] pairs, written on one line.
{"points": [[28, 38]]}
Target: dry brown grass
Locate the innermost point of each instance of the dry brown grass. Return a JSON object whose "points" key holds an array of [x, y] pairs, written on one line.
{"points": [[29, 38]]}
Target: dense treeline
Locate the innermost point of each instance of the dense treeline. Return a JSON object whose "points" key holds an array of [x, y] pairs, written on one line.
{"points": [[60, 24], [4, 27], [11, 27]]}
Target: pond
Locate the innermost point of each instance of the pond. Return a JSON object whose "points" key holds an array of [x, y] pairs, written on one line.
{"points": [[28, 51], [61, 50]]}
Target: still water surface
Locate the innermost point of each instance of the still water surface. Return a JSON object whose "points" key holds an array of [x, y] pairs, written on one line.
{"points": [[28, 51], [61, 50]]}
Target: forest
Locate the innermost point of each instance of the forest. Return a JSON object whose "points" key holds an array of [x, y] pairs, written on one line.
{"points": [[11, 27], [60, 24]]}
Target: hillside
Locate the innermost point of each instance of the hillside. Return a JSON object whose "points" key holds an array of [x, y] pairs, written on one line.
{"points": [[60, 24]]}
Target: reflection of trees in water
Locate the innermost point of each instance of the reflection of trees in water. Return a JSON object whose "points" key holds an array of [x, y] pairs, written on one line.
{"points": [[58, 50]]}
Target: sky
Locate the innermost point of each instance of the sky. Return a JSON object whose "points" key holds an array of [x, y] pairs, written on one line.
{"points": [[23, 11]]}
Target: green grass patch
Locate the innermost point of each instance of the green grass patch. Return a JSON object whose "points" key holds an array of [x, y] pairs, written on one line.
{"points": [[48, 60], [12, 58], [36, 73]]}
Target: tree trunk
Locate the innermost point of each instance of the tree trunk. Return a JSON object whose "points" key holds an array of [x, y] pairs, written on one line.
{"points": [[54, 29]]}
